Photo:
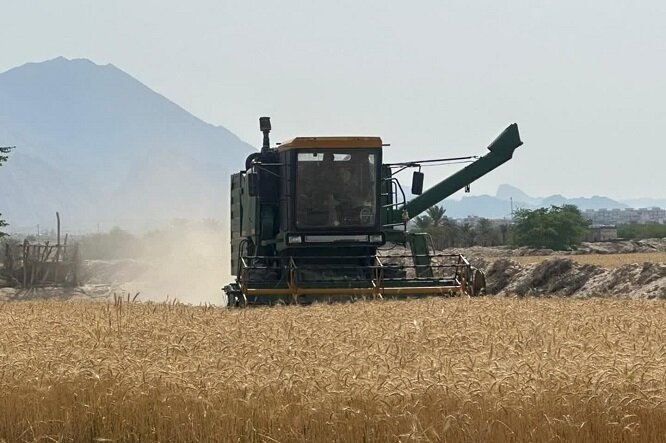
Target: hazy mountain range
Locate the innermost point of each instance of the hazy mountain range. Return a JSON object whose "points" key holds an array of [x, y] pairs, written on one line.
{"points": [[99, 146], [507, 196]]}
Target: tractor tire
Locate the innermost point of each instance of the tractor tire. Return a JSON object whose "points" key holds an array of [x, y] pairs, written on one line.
{"points": [[478, 283], [235, 298]]}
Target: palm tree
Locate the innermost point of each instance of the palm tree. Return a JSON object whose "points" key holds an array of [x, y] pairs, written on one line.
{"points": [[436, 214], [486, 232], [468, 235], [504, 230], [423, 222]]}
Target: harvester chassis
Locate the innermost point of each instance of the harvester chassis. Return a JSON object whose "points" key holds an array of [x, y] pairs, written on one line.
{"points": [[299, 280]]}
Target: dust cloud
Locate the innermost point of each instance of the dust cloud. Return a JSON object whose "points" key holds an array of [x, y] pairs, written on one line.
{"points": [[189, 261]]}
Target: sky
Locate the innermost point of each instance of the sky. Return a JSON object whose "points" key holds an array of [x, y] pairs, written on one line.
{"points": [[585, 81]]}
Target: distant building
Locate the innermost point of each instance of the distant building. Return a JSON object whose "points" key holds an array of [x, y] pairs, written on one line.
{"points": [[601, 233], [626, 216]]}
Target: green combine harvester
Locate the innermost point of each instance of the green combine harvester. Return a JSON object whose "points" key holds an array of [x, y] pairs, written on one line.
{"points": [[323, 218]]}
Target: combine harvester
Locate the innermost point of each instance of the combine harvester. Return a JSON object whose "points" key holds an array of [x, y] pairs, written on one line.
{"points": [[313, 218]]}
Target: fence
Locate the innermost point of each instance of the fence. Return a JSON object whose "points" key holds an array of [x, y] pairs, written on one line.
{"points": [[29, 265]]}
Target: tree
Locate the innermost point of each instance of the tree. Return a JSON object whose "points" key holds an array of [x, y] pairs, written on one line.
{"points": [[4, 150], [557, 227], [504, 233], [422, 222], [488, 235], [467, 235], [444, 231], [634, 230], [447, 233], [436, 215]]}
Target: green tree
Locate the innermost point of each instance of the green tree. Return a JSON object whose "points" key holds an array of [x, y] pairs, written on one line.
{"points": [[422, 222], [634, 230], [436, 215], [504, 233], [4, 150], [487, 234], [446, 233], [443, 230], [557, 227], [467, 235]]}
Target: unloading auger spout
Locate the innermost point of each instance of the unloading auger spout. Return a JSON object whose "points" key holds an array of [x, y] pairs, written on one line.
{"points": [[501, 151]]}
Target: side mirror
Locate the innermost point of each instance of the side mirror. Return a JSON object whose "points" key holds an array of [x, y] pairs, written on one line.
{"points": [[417, 183], [253, 184]]}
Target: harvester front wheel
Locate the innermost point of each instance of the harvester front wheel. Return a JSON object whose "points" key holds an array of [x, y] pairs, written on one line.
{"points": [[477, 283], [235, 297]]}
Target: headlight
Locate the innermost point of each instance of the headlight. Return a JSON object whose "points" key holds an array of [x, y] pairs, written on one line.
{"points": [[376, 238], [294, 239]]}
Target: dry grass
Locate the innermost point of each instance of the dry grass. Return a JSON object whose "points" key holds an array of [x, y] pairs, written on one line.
{"points": [[431, 370], [604, 260]]}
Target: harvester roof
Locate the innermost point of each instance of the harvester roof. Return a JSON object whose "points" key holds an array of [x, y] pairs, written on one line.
{"points": [[331, 143]]}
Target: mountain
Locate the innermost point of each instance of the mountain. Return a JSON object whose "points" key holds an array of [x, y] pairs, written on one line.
{"points": [[508, 192], [583, 203], [499, 206], [100, 146], [485, 206]]}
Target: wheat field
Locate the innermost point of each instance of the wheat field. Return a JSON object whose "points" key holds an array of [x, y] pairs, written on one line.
{"points": [[489, 369]]}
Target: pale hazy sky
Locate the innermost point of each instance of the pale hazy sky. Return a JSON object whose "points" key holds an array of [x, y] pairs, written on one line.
{"points": [[584, 80]]}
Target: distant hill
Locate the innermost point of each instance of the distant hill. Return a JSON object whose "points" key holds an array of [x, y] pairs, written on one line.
{"points": [[507, 192], [499, 206], [100, 146], [595, 202]]}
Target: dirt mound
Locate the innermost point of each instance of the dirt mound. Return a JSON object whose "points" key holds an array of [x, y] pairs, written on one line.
{"points": [[500, 274], [623, 246], [609, 247], [565, 277], [558, 276], [647, 280]]}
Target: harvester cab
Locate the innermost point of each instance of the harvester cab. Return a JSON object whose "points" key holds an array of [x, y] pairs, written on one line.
{"points": [[313, 218]]}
